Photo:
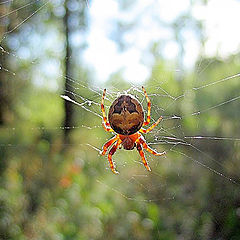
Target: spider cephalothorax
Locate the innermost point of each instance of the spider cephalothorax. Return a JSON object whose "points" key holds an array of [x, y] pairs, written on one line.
{"points": [[126, 118]]}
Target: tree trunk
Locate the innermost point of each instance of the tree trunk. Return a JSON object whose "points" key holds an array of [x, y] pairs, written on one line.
{"points": [[4, 101], [68, 106]]}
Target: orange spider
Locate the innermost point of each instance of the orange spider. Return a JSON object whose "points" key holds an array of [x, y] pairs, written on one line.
{"points": [[126, 118]]}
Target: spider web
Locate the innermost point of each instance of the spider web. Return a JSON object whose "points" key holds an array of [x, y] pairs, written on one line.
{"points": [[182, 149]]}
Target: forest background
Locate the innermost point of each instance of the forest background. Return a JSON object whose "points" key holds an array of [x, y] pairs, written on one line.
{"points": [[53, 182]]}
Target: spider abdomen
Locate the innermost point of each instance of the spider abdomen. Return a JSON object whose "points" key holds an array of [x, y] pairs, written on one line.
{"points": [[126, 115]]}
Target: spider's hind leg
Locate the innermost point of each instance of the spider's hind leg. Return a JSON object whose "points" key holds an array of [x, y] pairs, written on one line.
{"points": [[142, 130], [148, 108], [108, 129], [103, 109]]}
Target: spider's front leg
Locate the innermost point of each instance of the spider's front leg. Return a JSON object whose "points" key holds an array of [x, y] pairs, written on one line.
{"points": [[111, 152], [145, 146], [108, 144], [139, 148]]}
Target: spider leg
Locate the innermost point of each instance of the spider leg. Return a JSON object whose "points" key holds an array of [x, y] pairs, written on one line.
{"points": [[139, 148], [148, 106], [145, 146], [142, 130], [108, 144], [108, 129], [111, 152], [103, 109]]}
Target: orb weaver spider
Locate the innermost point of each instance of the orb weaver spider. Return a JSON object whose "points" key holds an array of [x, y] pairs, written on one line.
{"points": [[126, 118]]}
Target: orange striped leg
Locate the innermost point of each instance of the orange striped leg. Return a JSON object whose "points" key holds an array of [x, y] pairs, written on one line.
{"points": [[108, 129], [103, 109], [139, 148], [145, 146], [108, 144], [111, 152], [142, 130], [149, 108]]}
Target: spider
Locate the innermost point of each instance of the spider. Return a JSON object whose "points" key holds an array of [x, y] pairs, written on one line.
{"points": [[126, 118]]}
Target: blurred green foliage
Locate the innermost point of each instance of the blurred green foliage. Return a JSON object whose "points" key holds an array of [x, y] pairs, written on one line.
{"points": [[51, 190]]}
